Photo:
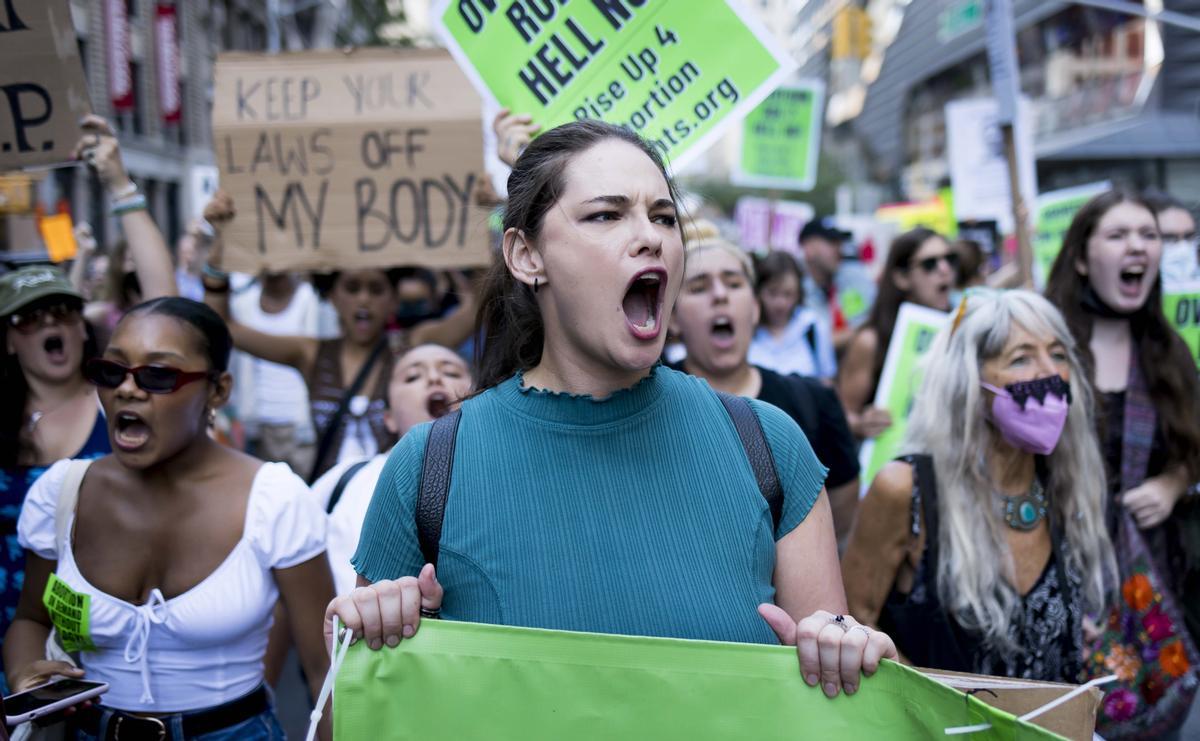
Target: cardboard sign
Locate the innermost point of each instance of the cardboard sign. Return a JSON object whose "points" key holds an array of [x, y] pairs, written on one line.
{"points": [[676, 73], [41, 78], [460, 680], [1181, 304], [1055, 210], [899, 381], [336, 160], [781, 139]]}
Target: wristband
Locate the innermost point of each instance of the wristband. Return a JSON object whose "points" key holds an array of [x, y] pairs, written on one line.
{"points": [[125, 192], [212, 272], [209, 287], [136, 202]]}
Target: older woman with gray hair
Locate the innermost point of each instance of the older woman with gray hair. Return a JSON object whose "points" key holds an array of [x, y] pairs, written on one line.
{"points": [[982, 549]]}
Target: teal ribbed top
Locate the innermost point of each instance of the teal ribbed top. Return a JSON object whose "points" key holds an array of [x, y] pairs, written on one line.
{"points": [[635, 514]]}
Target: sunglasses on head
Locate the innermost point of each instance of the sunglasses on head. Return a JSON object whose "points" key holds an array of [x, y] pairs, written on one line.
{"points": [[154, 379], [29, 320], [930, 264]]}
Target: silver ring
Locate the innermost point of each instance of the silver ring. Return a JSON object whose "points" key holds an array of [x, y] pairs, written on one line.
{"points": [[863, 628], [840, 621]]}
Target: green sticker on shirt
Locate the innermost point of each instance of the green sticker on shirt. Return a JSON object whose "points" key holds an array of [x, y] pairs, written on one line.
{"points": [[70, 612]]}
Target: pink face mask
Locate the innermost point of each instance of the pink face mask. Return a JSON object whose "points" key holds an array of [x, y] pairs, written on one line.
{"points": [[1031, 415]]}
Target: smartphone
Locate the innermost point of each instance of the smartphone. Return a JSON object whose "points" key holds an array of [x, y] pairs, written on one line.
{"points": [[49, 698]]}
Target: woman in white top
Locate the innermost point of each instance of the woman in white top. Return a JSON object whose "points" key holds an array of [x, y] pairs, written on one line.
{"points": [[427, 382], [791, 338], [176, 552]]}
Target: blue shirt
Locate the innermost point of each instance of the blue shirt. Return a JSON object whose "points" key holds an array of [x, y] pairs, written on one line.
{"points": [[637, 514]]}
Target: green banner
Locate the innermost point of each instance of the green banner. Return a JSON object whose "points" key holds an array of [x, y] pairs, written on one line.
{"points": [[1181, 304], [899, 382], [468, 681], [1055, 210], [676, 73], [781, 139]]}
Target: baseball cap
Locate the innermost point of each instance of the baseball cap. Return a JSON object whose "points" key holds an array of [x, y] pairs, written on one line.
{"points": [[22, 287], [824, 227]]}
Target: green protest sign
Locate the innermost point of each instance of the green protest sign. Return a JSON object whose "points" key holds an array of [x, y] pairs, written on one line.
{"points": [[677, 73], [781, 139], [1181, 304], [899, 382], [468, 681], [1055, 209]]}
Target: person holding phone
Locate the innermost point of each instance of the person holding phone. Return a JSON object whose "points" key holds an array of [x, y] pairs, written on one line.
{"points": [[48, 410], [592, 488], [178, 547]]}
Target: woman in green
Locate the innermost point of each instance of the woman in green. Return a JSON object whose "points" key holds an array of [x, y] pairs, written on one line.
{"points": [[593, 489]]}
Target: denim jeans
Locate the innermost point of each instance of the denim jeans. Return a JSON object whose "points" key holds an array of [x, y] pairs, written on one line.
{"points": [[262, 727]]}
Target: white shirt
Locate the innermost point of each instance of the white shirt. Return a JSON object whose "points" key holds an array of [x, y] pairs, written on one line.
{"points": [[792, 351], [346, 520], [268, 392], [203, 647]]}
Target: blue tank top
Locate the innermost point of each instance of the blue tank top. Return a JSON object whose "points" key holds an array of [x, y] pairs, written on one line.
{"points": [[15, 481]]}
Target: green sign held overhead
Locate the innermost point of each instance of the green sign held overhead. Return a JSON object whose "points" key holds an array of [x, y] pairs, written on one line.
{"points": [[1181, 304], [677, 73], [781, 139], [899, 381], [468, 681], [1055, 210]]}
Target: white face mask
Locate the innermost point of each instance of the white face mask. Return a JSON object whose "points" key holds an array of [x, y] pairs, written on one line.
{"points": [[1179, 261]]}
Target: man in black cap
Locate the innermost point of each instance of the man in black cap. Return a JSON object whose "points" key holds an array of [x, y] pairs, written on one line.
{"points": [[822, 241]]}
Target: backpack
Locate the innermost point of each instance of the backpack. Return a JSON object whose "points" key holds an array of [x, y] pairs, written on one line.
{"points": [[438, 465]]}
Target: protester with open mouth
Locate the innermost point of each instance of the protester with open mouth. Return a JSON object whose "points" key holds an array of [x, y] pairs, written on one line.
{"points": [[427, 382], [591, 488], [48, 410], [715, 316], [182, 546], [921, 268], [347, 376], [982, 549], [1106, 282]]}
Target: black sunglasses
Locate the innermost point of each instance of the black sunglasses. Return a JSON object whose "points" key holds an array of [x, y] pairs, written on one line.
{"points": [[930, 264], [27, 321], [154, 379]]}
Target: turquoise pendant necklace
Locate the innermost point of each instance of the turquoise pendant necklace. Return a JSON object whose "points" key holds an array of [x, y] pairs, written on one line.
{"points": [[1024, 511]]}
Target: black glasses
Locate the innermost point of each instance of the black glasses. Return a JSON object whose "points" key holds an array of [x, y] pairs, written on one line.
{"points": [[930, 264], [154, 379], [27, 322]]}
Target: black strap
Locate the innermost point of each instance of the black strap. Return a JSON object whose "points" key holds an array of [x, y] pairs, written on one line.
{"points": [[926, 482], [810, 336], [758, 452], [342, 482], [330, 432], [435, 483]]}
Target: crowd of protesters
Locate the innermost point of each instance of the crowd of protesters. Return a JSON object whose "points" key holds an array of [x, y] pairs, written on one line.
{"points": [[1052, 444]]}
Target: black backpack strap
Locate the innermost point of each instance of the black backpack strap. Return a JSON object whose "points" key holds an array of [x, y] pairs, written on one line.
{"points": [[758, 452], [343, 481], [435, 483], [325, 444]]}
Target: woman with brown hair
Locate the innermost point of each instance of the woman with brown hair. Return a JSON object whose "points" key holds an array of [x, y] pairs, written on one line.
{"points": [[1107, 284], [920, 268], [583, 467]]}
